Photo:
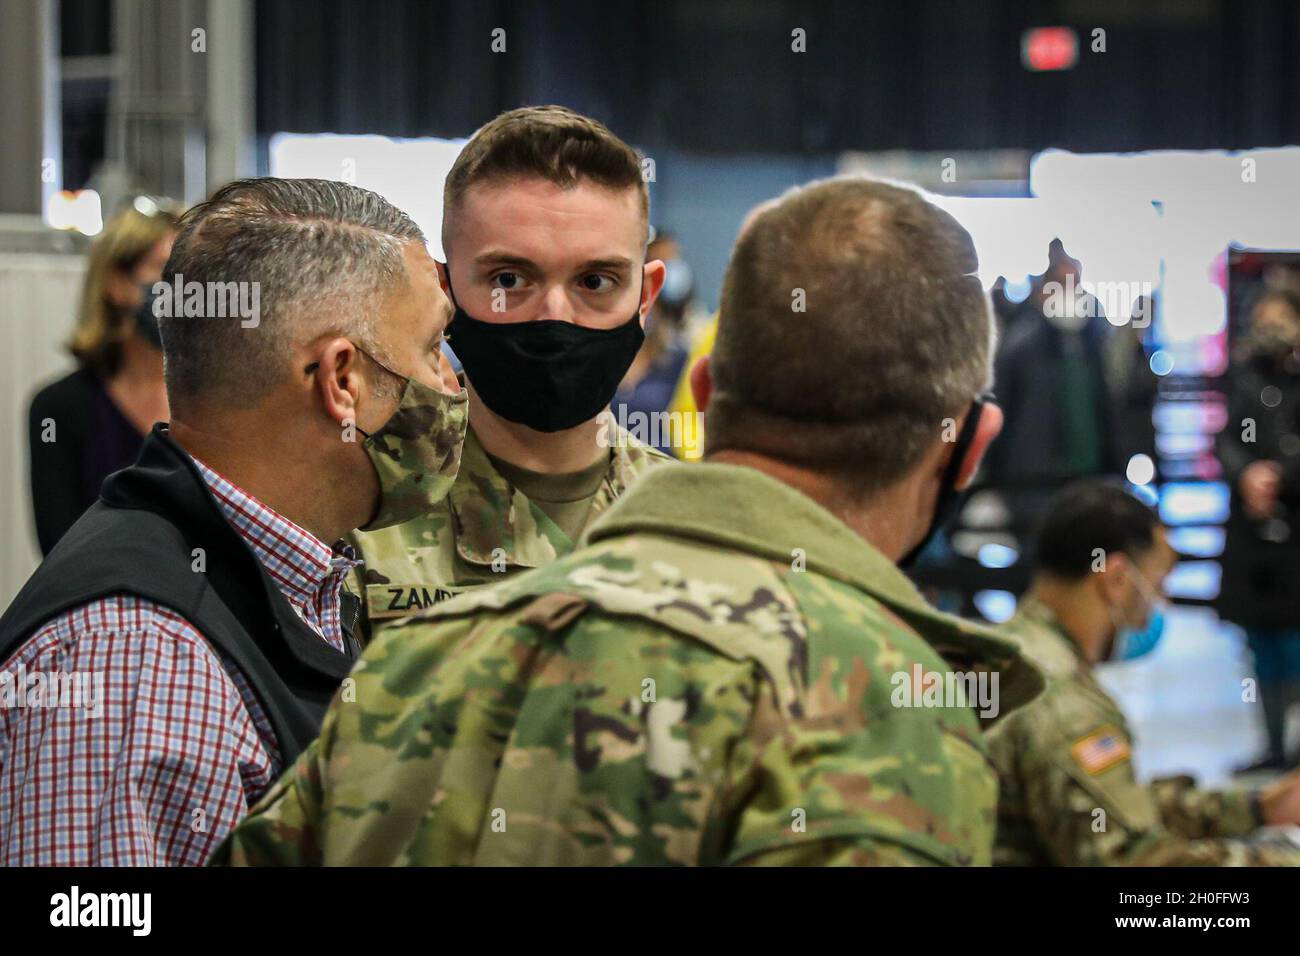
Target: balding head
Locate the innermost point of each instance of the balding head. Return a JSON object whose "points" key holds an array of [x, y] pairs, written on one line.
{"points": [[852, 325]]}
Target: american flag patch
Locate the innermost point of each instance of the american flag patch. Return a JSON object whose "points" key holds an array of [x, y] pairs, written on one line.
{"points": [[1100, 750]]}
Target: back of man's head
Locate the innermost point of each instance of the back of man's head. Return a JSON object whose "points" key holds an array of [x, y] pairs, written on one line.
{"points": [[1088, 521], [316, 257], [852, 325]]}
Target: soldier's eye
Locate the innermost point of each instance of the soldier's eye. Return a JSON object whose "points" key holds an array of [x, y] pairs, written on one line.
{"points": [[510, 281], [598, 283]]}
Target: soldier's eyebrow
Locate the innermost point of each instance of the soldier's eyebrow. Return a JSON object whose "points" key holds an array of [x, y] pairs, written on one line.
{"points": [[612, 264], [496, 257]]}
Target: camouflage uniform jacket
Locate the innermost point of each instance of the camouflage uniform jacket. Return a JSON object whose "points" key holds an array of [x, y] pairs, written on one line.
{"points": [[711, 679], [484, 530], [1069, 793]]}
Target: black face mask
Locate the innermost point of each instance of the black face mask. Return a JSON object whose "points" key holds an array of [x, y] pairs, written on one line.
{"points": [[548, 375], [945, 507], [146, 323]]}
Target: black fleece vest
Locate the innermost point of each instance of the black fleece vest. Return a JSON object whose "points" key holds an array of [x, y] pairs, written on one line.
{"points": [[141, 538]]}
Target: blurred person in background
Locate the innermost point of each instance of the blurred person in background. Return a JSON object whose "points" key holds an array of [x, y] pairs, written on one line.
{"points": [[1050, 378], [92, 422], [1069, 794], [1132, 386], [1259, 448], [682, 403], [1005, 308], [652, 378]]}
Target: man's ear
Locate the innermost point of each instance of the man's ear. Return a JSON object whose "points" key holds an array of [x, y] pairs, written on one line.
{"points": [[702, 383], [1114, 579], [652, 280], [338, 379], [990, 424]]}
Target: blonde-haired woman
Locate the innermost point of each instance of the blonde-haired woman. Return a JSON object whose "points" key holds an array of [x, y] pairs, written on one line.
{"points": [[91, 423]]}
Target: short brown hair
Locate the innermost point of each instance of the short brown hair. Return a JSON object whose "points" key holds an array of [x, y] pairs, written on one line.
{"points": [[550, 142], [896, 333]]}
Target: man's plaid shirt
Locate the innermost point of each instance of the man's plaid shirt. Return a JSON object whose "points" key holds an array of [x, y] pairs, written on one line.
{"points": [[169, 745]]}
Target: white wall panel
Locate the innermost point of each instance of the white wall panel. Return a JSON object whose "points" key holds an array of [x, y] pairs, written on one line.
{"points": [[39, 295]]}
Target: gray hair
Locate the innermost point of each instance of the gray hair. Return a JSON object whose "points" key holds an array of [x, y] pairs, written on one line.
{"points": [[320, 258]]}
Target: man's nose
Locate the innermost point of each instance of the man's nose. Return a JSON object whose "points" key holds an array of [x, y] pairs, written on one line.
{"points": [[556, 306]]}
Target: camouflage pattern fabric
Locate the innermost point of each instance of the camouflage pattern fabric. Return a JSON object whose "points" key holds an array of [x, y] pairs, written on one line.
{"points": [[417, 452], [484, 531], [1069, 793], [712, 679]]}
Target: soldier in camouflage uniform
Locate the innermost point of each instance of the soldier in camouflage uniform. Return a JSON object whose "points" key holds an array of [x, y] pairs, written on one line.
{"points": [[730, 670], [1069, 793], [547, 259], [484, 530]]}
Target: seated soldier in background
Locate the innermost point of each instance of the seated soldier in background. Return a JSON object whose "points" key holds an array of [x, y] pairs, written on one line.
{"points": [[545, 222], [725, 673], [1069, 794]]}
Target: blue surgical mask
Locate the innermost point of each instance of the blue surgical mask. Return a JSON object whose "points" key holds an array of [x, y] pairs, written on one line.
{"points": [[679, 284], [1134, 642]]}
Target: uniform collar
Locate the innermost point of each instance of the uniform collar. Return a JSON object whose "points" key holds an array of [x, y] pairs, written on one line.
{"points": [[744, 509], [494, 521], [1033, 610], [748, 510], [1036, 630]]}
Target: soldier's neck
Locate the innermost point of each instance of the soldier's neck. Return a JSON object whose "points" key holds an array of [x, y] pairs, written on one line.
{"points": [[889, 521], [1081, 616], [548, 453]]}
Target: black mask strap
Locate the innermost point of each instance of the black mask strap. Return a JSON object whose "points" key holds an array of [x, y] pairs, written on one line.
{"points": [[451, 293], [946, 504], [315, 365]]}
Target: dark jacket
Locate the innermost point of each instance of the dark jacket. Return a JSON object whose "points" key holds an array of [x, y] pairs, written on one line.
{"points": [[1261, 561], [1029, 461], [143, 537], [91, 440]]}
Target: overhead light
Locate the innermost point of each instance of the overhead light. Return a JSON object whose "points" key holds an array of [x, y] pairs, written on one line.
{"points": [[78, 211], [1141, 470]]}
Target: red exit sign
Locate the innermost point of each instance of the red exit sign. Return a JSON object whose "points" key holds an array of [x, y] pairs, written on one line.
{"points": [[1049, 48]]}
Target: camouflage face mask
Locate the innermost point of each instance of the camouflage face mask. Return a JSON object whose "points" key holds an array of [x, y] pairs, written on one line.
{"points": [[417, 453]]}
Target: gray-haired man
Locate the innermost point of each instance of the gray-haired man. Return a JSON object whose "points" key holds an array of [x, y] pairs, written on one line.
{"points": [[195, 612]]}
